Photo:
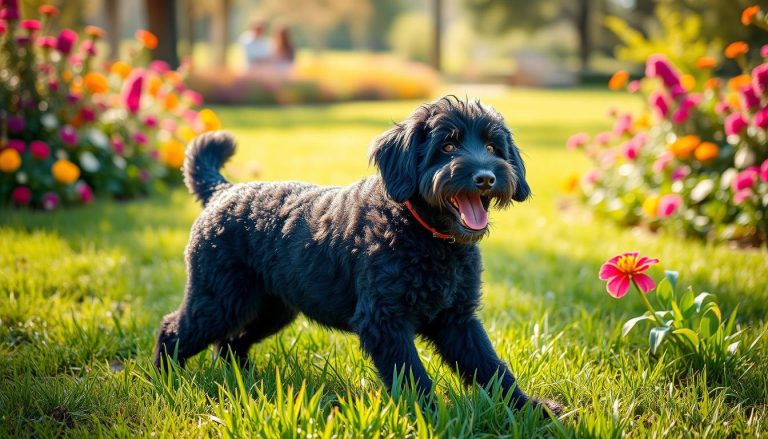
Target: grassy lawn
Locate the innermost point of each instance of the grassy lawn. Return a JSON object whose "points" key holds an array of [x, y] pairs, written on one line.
{"points": [[82, 292]]}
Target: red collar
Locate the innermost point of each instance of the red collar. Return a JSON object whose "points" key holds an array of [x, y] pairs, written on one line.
{"points": [[435, 234]]}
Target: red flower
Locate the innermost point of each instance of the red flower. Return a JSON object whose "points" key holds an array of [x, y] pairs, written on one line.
{"points": [[49, 10], [620, 270], [131, 92]]}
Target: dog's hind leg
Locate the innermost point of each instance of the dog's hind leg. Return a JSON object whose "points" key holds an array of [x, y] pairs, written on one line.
{"points": [[272, 316]]}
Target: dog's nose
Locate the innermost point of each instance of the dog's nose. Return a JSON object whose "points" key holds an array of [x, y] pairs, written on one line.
{"points": [[484, 179]]}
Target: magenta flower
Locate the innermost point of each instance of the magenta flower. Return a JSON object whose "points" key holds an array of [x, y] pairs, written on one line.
{"points": [[668, 205], [735, 123], [620, 270], [50, 201], [742, 195], [760, 77], [46, 42], [151, 121], [764, 51], [40, 150], [676, 91], [3, 27], [131, 93], [630, 150], [23, 40], [85, 192], [87, 114], [745, 179], [748, 97], [16, 123], [140, 138], [680, 173], [193, 97], [30, 25], [681, 115], [159, 66], [10, 10], [658, 66], [761, 118], [88, 47], [764, 171], [66, 41], [73, 98], [21, 195], [660, 103], [576, 141], [118, 146], [68, 135], [17, 144], [623, 125]]}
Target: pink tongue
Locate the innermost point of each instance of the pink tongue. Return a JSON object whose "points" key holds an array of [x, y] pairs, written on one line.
{"points": [[472, 212]]}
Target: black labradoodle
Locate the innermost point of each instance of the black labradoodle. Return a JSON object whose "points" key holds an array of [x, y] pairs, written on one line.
{"points": [[390, 257]]}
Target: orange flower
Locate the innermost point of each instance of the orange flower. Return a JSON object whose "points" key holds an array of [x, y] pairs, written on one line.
{"points": [[737, 82], [209, 120], [153, 85], [713, 84], [172, 153], [10, 160], [618, 80], [736, 49], [121, 69], [706, 63], [49, 10], [66, 75], [706, 151], [748, 14], [147, 38], [570, 183], [65, 171], [684, 146], [94, 31], [173, 77], [171, 101], [96, 82]]}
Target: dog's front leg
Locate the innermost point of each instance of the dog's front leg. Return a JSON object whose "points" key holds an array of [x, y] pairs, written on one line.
{"points": [[392, 349], [464, 344]]}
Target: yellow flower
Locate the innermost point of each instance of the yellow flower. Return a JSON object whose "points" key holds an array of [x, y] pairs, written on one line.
{"points": [[185, 133], [65, 171], [172, 153], [66, 75], [736, 49], [121, 69], [737, 82], [10, 160], [642, 122], [688, 82], [570, 183], [706, 151], [618, 80], [651, 206], [96, 82], [209, 120], [684, 146]]}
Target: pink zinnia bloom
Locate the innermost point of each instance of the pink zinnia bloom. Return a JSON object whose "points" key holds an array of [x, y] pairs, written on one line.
{"points": [[761, 118], [22, 195], [620, 270], [131, 92], [193, 97], [88, 47], [680, 116], [140, 138], [722, 107], [630, 150], [748, 97], [151, 121], [3, 27], [47, 42], [50, 201], [662, 162], [118, 146], [660, 102], [30, 25], [68, 135], [159, 66], [764, 171], [745, 179], [10, 10], [735, 123], [742, 195], [85, 192], [17, 144], [87, 114], [65, 41], [634, 86], [760, 78], [764, 51], [668, 205], [676, 91], [658, 66], [577, 141], [680, 173], [623, 124], [602, 139], [40, 150]]}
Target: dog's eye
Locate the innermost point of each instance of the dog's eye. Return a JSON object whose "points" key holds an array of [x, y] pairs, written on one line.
{"points": [[490, 148], [449, 148]]}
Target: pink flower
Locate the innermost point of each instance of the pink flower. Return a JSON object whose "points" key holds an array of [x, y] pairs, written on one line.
{"points": [[722, 107], [10, 10], [40, 150], [634, 86], [680, 116], [159, 66], [748, 97], [623, 125], [151, 121], [88, 47], [22, 195], [742, 195], [764, 171], [668, 205], [16, 123], [620, 270], [735, 123], [30, 25], [662, 162], [193, 97], [17, 144], [764, 51], [140, 138], [630, 151], [577, 141], [745, 179], [53, 85], [660, 103], [47, 42], [50, 201], [118, 146], [592, 177], [760, 77], [680, 173], [68, 135], [131, 93], [85, 192], [3, 27], [65, 41], [168, 125], [676, 91], [761, 118], [658, 66], [602, 139]]}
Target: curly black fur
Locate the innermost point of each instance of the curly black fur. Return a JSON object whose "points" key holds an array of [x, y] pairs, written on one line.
{"points": [[353, 258]]}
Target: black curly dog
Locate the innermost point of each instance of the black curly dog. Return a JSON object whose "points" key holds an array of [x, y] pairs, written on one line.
{"points": [[390, 257]]}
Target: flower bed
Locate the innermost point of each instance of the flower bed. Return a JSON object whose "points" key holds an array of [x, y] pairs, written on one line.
{"points": [[696, 159], [71, 128]]}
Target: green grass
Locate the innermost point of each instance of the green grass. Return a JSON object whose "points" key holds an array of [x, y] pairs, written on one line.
{"points": [[82, 292]]}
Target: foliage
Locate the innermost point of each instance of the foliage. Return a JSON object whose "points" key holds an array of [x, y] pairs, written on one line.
{"points": [[695, 161], [71, 128]]}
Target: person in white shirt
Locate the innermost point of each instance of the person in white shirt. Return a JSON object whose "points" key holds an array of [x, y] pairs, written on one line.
{"points": [[257, 47]]}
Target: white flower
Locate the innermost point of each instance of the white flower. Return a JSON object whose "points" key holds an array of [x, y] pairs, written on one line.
{"points": [[49, 121], [119, 162], [98, 138], [21, 178], [89, 162]]}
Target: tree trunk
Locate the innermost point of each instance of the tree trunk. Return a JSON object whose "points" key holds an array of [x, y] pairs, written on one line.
{"points": [[437, 13], [161, 20], [220, 34], [112, 8], [585, 40]]}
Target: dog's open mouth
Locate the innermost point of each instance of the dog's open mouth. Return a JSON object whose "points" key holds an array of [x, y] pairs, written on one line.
{"points": [[471, 209]]}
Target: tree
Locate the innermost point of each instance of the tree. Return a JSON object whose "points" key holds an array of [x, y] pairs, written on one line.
{"points": [[161, 21]]}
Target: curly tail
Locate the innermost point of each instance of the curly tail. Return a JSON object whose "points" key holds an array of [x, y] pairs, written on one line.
{"points": [[205, 156]]}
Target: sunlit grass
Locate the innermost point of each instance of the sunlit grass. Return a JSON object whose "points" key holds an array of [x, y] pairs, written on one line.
{"points": [[82, 292]]}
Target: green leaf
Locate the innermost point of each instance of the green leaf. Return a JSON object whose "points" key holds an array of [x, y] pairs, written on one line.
{"points": [[709, 324], [686, 302], [672, 276], [657, 336], [664, 291], [701, 299], [631, 324], [689, 335], [676, 310], [731, 322]]}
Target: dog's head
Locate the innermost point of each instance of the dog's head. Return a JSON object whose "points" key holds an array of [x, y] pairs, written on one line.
{"points": [[454, 158]]}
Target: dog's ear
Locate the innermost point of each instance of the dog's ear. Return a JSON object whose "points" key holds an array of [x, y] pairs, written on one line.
{"points": [[395, 153], [522, 190]]}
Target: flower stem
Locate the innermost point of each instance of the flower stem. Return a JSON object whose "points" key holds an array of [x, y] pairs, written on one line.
{"points": [[648, 304]]}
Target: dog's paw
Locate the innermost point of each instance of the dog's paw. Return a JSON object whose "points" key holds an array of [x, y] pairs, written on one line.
{"points": [[550, 408]]}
